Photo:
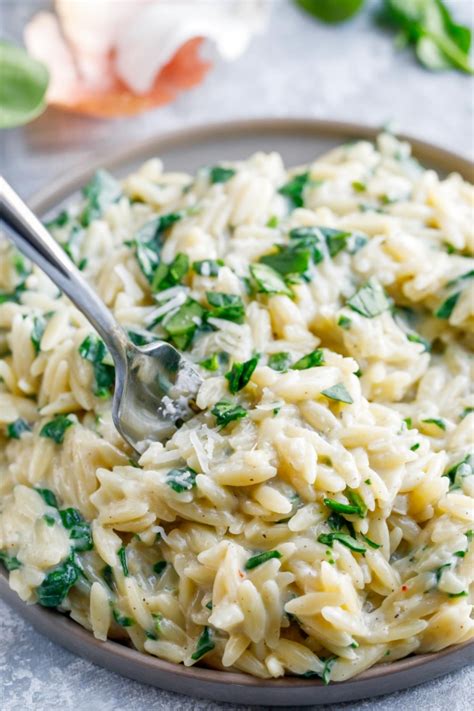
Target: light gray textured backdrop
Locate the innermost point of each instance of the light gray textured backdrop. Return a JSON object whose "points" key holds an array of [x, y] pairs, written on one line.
{"points": [[299, 68]]}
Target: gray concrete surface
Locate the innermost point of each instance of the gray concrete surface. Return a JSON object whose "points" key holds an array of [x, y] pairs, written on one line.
{"points": [[300, 69]]}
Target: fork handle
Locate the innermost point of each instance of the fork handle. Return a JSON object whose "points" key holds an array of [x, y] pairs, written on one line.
{"points": [[32, 239]]}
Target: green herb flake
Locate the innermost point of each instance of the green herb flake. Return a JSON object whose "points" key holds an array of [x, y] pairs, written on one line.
{"points": [[17, 428], [225, 411], [358, 186], [169, 275], [37, 333], [204, 645], [435, 421], [122, 620], [240, 373], [266, 280], [415, 446], [344, 322], [182, 479], [467, 411], [288, 260], [226, 306], [211, 363], [79, 529], [219, 174], [108, 576], [311, 360], [57, 583], [339, 393], [416, 338], [159, 567], [100, 193], [294, 189], [60, 220], [182, 324], [370, 542], [10, 562], [461, 470], [49, 520], [256, 560], [48, 497], [279, 361], [341, 508], [208, 267], [328, 539], [370, 300], [463, 593], [94, 350], [447, 307], [272, 222], [122, 556]]}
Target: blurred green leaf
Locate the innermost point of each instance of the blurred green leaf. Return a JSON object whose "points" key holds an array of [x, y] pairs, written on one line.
{"points": [[331, 11], [23, 84]]}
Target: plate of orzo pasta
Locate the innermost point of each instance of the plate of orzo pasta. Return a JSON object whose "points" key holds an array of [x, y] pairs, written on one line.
{"points": [[307, 536]]}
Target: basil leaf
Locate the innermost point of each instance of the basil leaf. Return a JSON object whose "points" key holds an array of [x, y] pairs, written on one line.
{"points": [[294, 189], [312, 360], [23, 86], [288, 260], [280, 361], [56, 428], [266, 280], [208, 267], [260, 558], [100, 193], [227, 306], [204, 645], [339, 393], [219, 174], [17, 428], [370, 300], [168, 275], [225, 412], [240, 374], [182, 324], [57, 583], [447, 307], [10, 562], [183, 479], [336, 240], [94, 350], [416, 338], [309, 238], [328, 539]]}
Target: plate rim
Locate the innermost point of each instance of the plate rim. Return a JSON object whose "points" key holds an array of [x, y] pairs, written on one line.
{"points": [[61, 628]]}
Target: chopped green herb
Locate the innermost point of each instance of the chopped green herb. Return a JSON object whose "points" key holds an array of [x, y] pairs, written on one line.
{"points": [[358, 186], [311, 360], [294, 189], [439, 571], [20, 265], [344, 322], [142, 338], [56, 429], [447, 307], [368, 482], [280, 361], [309, 238], [467, 411], [50, 520], [288, 260], [94, 350], [182, 479], [357, 500], [416, 338], [37, 333], [336, 240], [209, 605], [10, 562], [61, 220], [339, 393], [79, 529], [434, 421], [256, 560], [122, 556], [17, 428], [409, 422], [169, 275], [415, 446], [219, 174], [226, 306], [57, 583], [14, 295], [459, 471], [225, 412], [204, 645], [338, 507], [122, 620], [370, 542], [272, 222], [240, 374], [108, 576], [469, 535], [182, 324], [461, 277], [211, 363], [159, 567], [48, 497], [100, 192], [370, 300], [326, 673], [463, 593], [328, 539], [208, 267], [266, 280]]}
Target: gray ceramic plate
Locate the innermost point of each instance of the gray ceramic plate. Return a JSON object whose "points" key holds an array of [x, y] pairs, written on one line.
{"points": [[298, 141]]}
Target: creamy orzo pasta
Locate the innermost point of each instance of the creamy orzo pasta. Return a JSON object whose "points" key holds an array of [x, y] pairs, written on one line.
{"points": [[316, 517]]}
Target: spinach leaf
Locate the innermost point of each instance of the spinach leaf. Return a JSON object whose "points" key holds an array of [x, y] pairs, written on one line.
{"points": [[338, 392], [56, 429], [294, 189], [226, 306], [266, 280], [280, 361], [79, 529], [10, 562], [204, 645], [447, 307], [148, 242], [183, 479], [219, 174], [94, 350], [260, 558], [100, 192], [240, 374], [370, 300], [312, 360], [208, 267], [182, 324], [17, 428], [309, 238], [23, 86], [225, 412], [168, 275], [57, 583]]}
